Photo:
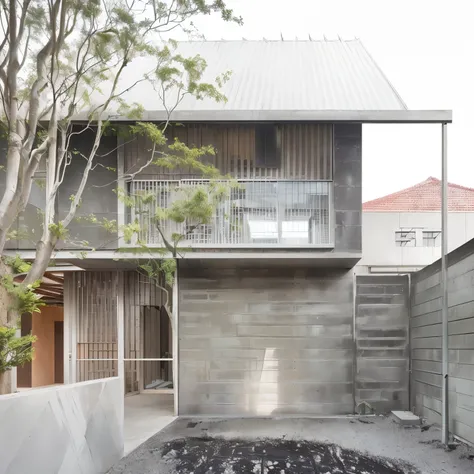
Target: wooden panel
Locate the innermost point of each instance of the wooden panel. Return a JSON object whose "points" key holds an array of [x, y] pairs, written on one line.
{"points": [[306, 152], [96, 324], [143, 301], [44, 360]]}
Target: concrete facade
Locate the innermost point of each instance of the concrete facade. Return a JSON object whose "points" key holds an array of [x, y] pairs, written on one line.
{"points": [[330, 152], [382, 342], [348, 187], [72, 429], [259, 341], [380, 250], [265, 341], [426, 343]]}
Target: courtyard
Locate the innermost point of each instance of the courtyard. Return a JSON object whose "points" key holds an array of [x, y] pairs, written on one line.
{"points": [[369, 445]]}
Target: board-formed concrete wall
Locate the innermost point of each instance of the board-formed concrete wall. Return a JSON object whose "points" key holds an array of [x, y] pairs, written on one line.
{"points": [[426, 341], [70, 429], [265, 341], [257, 340], [382, 342]]}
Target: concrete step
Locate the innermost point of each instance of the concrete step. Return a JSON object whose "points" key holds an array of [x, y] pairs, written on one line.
{"points": [[406, 418]]}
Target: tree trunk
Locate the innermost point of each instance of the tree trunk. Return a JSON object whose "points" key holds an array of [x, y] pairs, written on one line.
{"points": [[44, 252], [6, 383]]}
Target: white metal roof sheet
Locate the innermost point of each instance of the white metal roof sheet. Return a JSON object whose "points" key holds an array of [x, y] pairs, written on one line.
{"points": [[279, 76]]}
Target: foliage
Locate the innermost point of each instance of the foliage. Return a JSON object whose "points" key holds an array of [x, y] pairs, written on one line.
{"points": [[17, 264], [165, 267], [189, 206], [14, 351], [63, 60], [75, 67], [25, 300]]}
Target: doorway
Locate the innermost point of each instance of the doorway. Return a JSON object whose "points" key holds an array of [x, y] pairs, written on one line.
{"points": [[58, 351]]}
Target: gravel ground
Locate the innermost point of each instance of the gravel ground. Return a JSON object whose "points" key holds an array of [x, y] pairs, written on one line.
{"points": [[294, 446]]}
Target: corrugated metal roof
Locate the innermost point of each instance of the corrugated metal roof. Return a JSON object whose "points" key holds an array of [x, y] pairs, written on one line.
{"points": [[280, 76]]}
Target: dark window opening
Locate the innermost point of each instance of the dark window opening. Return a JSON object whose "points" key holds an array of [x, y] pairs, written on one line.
{"points": [[267, 146]]}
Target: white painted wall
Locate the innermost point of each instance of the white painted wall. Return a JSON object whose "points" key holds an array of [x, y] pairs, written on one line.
{"points": [[378, 237], [68, 429]]}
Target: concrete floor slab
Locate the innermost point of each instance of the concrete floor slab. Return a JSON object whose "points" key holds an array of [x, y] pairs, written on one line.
{"points": [[262, 445], [146, 415]]}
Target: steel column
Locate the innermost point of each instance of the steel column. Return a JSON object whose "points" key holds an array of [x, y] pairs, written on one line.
{"points": [[444, 281], [175, 329], [121, 334]]}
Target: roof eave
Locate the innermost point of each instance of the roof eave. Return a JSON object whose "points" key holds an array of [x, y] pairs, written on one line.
{"points": [[353, 116]]}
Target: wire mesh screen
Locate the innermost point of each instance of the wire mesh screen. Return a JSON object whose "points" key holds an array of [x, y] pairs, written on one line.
{"points": [[252, 212]]}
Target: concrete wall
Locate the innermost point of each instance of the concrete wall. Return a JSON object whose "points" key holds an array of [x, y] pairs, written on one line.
{"points": [[309, 151], [426, 341], [382, 357], [378, 237], [348, 187], [71, 429], [265, 341], [43, 327], [99, 197]]}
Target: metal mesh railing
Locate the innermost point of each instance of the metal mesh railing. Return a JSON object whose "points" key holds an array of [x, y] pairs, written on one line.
{"points": [[252, 213]]}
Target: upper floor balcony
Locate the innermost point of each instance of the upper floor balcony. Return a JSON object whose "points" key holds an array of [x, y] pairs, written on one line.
{"points": [[253, 214]]}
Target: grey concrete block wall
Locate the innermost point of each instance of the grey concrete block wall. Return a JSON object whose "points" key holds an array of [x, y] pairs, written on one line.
{"points": [[426, 342], [99, 197], [29, 223], [265, 341], [348, 187], [382, 342]]}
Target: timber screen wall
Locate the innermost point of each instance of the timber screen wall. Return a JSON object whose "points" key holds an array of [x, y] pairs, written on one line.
{"points": [[426, 375]]}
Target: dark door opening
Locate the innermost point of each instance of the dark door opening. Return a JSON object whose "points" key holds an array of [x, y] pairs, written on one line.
{"points": [[58, 352], [24, 372]]}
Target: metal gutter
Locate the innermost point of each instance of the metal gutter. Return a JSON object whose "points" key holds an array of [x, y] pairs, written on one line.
{"points": [[326, 116]]}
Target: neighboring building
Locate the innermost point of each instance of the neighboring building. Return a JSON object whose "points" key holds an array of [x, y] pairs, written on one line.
{"points": [[265, 301], [402, 231]]}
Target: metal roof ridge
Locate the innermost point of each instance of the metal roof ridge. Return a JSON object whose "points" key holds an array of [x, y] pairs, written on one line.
{"points": [[383, 74]]}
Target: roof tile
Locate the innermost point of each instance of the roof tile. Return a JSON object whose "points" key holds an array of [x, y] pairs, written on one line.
{"points": [[424, 196]]}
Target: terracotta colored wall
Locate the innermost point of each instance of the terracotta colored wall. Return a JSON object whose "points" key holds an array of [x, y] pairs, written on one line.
{"points": [[43, 328]]}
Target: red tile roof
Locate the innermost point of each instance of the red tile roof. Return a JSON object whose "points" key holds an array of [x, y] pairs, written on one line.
{"points": [[424, 196]]}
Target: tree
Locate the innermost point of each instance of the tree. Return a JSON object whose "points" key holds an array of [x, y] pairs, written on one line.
{"points": [[55, 56], [188, 207]]}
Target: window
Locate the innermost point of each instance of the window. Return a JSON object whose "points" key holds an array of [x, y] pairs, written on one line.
{"points": [[405, 238], [431, 238], [267, 146]]}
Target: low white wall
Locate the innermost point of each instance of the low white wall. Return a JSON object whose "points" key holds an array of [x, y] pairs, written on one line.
{"points": [[66, 429]]}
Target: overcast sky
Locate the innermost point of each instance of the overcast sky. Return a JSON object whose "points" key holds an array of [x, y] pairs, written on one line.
{"points": [[426, 49]]}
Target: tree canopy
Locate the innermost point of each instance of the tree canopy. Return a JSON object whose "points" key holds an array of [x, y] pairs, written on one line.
{"points": [[65, 59]]}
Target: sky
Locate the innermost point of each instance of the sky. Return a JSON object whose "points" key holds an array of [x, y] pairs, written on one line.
{"points": [[425, 48]]}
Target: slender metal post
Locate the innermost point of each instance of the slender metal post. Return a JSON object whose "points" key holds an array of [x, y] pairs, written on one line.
{"points": [[121, 337], [175, 329], [121, 184], [444, 281]]}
